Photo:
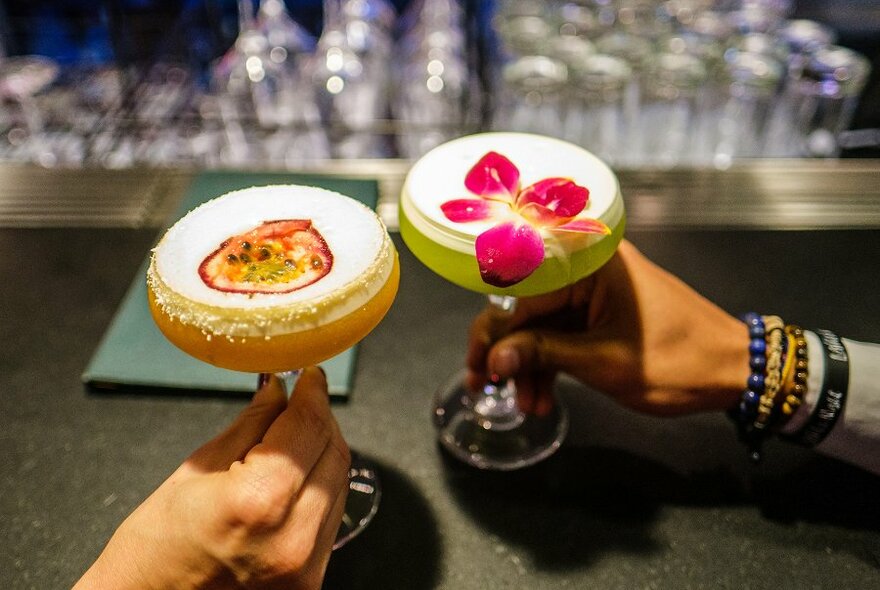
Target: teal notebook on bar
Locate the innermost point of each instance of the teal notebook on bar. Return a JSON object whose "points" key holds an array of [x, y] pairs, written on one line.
{"points": [[134, 355]]}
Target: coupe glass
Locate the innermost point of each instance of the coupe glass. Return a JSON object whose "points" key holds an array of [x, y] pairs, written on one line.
{"points": [[270, 278], [487, 429]]}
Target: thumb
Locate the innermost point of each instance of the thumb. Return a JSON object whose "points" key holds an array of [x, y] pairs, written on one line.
{"points": [[527, 358]]}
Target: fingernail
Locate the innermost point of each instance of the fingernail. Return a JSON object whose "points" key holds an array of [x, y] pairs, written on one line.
{"points": [[263, 380], [505, 362], [268, 387]]}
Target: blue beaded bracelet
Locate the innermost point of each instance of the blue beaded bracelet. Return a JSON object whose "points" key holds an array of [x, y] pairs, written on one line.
{"points": [[748, 405]]}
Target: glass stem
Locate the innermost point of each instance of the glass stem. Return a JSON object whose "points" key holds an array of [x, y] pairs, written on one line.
{"points": [[288, 380], [496, 405], [332, 14], [245, 15]]}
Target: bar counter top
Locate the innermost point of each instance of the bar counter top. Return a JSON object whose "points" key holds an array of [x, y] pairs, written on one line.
{"points": [[630, 501]]}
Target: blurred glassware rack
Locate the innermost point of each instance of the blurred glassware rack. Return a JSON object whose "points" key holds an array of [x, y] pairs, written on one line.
{"points": [[643, 83]]}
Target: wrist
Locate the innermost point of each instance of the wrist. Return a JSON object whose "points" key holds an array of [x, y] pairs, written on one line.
{"points": [[730, 364], [132, 559]]}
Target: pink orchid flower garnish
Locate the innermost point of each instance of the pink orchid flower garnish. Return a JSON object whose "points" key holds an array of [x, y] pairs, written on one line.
{"points": [[513, 249]]}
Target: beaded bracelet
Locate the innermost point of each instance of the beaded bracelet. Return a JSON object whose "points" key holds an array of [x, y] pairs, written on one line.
{"points": [[777, 380], [774, 328], [757, 362], [795, 380], [746, 411], [832, 398]]}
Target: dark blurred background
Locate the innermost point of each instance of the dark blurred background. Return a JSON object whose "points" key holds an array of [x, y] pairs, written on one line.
{"points": [[195, 32]]}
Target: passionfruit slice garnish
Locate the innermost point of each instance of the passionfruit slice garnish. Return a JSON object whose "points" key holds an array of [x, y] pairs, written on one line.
{"points": [[275, 257]]}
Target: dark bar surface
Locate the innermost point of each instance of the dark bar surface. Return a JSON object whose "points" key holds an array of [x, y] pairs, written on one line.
{"points": [[629, 502]]}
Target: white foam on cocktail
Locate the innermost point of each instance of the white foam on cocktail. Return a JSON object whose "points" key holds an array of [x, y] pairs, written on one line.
{"points": [[439, 175], [362, 262]]}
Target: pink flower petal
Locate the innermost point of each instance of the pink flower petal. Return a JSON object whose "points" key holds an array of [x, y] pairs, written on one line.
{"points": [[584, 226], [493, 177], [554, 197], [508, 253], [464, 210]]}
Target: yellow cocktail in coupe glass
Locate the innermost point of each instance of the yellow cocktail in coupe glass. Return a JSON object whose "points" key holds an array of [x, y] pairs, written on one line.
{"points": [[271, 279], [509, 215]]}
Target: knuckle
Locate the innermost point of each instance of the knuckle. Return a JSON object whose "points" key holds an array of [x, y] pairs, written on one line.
{"points": [[299, 554], [314, 415], [259, 502]]}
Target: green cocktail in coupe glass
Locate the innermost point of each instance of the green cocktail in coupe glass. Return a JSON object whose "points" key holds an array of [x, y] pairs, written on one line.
{"points": [[509, 215]]}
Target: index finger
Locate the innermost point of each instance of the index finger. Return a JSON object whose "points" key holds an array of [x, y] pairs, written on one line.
{"points": [[488, 327], [299, 435]]}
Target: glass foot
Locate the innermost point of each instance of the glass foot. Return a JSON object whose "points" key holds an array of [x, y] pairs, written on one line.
{"points": [[362, 502], [491, 438]]}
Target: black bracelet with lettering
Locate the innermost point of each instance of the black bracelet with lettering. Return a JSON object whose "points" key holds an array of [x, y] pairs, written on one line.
{"points": [[832, 398]]}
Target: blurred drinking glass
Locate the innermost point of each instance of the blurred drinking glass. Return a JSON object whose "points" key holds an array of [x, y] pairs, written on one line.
{"points": [[531, 99], [300, 136], [671, 108], [710, 25], [260, 96], [636, 52], [683, 13], [712, 96], [567, 49], [248, 88], [287, 38], [771, 46], [432, 88], [779, 8], [595, 117], [824, 98], [579, 19], [523, 35], [755, 18], [21, 79], [801, 38], [643, 18], [753, 80], [350, 74], [153, 126]]}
